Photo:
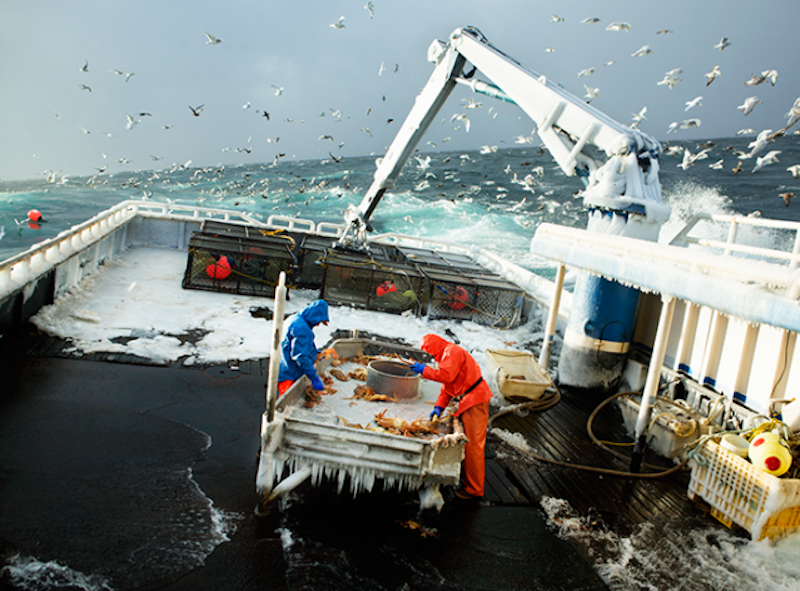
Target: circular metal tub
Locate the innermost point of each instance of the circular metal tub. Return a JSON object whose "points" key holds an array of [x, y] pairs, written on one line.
{"points": [[387, 377]]}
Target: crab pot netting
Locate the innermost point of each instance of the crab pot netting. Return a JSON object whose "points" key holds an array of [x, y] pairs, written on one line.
{"points": [[367, 282], [460, 289], [479, 302], [234, 264]]}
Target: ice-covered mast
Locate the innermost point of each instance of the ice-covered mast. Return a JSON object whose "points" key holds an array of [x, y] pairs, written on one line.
{"points": [[623, 191]]}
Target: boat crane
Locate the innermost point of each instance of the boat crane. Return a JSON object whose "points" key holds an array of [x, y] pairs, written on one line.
{"points": [[622, 193]]}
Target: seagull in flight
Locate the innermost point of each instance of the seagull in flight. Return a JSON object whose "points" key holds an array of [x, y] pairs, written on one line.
{"points": [[196, 110], [84, 87], [723, 43], [461, 117], [793, 115], [278, 90], [695, 102], [712, 74], [770, 157], [590, 20], [749, 104], [338, 24], [131, 122], [591, 93], [554, 18], [587, 72], [211, 39], [126, 74], [371, 9], [85, 66], [642, 51], [618, 27]]}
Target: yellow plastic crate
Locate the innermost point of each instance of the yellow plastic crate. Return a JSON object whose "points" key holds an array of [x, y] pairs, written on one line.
{"points": [[741, 494]]}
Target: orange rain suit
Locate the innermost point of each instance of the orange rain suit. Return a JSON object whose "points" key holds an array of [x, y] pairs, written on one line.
{"points": [[458, 372]]}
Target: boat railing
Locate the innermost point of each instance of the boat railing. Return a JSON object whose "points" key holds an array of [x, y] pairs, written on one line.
{"points": [[18, 270], [731, 246], [416, 242]]}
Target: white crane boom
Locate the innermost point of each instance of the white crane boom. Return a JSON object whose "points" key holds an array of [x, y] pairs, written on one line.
{"points": [[627, 181]]}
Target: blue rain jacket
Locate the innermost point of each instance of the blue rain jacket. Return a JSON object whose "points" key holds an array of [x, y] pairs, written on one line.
{"points": [[298, 352]]}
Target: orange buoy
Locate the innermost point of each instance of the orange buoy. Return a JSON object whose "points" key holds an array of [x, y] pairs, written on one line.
{"points": [[384, 288], [458, 299], [220, 269], [35, 215]]}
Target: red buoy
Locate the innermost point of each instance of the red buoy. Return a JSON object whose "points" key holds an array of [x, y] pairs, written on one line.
{"points": [[35, 215], [458, 299], [220, 269], [384, 288]]}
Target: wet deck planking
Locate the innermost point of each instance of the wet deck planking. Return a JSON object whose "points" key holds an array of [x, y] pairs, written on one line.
{"points": [[559, 433]]}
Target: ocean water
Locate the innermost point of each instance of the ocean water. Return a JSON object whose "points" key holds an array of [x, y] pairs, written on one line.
{"points": [[475, 197]]}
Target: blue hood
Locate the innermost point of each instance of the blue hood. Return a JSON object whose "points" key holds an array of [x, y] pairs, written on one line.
{"points": [[315, 312]]}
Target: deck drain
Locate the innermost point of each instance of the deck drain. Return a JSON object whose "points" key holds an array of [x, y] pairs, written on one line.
{"points": [[222, 371]]}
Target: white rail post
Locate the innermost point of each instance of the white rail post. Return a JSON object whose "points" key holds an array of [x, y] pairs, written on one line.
{"points": [[552, 319], [653, 377], [275, 353]]}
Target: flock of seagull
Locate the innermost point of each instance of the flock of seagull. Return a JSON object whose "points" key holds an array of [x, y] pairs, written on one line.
{"points": [[461, 120]]}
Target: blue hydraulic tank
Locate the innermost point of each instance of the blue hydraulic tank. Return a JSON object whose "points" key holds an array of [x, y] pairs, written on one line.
{"points": [[603, 313]]}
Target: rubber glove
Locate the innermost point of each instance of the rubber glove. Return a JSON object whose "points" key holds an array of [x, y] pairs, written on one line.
{"points": [[418, 367], [437, 412], [317, 384]]}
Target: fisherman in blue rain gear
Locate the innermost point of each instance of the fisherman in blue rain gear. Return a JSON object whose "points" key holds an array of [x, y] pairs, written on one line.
{"points": [[298, 352]]}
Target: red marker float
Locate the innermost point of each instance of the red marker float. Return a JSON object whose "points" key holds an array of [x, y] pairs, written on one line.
{"points": [[220, 269]]}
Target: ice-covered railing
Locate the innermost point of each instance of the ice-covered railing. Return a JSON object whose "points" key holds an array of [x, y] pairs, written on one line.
{"points": [[730, 246], [22, 268]]}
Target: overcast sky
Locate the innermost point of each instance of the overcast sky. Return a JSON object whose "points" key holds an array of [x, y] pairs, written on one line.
{"points": [[49, 122]]}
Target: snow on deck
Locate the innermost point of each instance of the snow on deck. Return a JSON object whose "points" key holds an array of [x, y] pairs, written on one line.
{"points": [[135, 305]]}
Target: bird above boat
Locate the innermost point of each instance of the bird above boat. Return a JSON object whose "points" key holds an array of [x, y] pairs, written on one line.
{"points": [[619, 26], [770, 157], [461, 117], [197, 110], [712, 75], [278, 90], [85, 66], [211, 39], [723, 43], [787, 197], [695, 102], [371, 9], [749, 104], [554, 18], [587, 72], [338, 24], [795, 170], [642, 51], [591, 20], [793, 115], [591, 93]]}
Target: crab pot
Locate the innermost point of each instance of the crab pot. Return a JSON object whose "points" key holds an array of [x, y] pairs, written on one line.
{"points": [[484, 300], [375, 281], [239, 261], [391, 377], [461, 289], [311, 252]]}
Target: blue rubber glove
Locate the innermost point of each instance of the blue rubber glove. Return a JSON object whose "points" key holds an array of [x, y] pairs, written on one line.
{"points": [[437, 412], [317, 384], [418, 367]]}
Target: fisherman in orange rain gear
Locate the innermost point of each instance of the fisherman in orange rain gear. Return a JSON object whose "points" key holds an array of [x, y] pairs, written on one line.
{"points": [[461, 381]]}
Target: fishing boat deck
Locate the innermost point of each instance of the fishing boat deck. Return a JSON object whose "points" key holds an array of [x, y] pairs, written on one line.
{"points": [[512, 477]]}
